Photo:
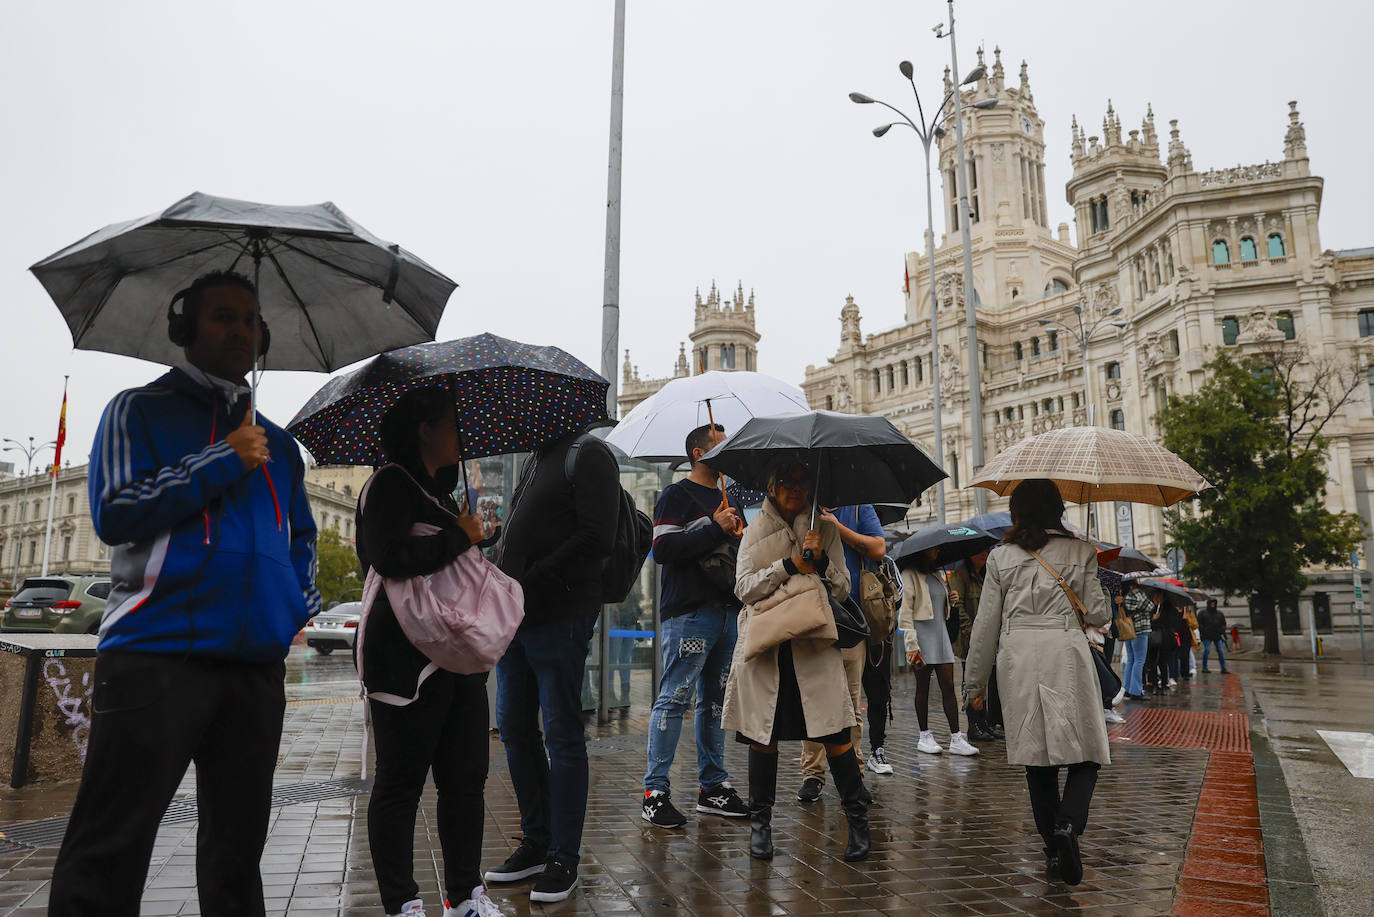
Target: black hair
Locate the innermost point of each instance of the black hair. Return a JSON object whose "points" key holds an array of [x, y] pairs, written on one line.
{"points": [[700, 438], [401, 424], [1036, 507], [195, 293]]}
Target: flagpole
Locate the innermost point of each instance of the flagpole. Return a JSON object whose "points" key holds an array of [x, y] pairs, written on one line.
{"points": [[56, 464]]}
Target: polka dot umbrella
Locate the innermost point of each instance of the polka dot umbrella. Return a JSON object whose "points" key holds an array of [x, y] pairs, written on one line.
{"points": [[508, 397]]}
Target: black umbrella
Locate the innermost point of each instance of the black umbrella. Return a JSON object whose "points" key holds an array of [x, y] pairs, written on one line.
{"points": [[995, 524], [889, 513], [508, 397], [855, 458], [956, 542], [1131, 561]]}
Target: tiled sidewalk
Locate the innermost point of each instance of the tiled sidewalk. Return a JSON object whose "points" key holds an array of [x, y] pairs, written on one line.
{"points": [[950, 835]]}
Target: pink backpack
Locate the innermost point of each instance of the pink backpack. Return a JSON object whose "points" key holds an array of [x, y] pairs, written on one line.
{"points": [[462, 616]]}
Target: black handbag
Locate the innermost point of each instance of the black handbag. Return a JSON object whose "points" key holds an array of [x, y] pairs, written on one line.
{"points": [[850, 622], [1109, 681]]}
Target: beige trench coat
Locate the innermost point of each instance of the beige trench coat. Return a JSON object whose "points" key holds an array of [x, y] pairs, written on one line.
{"points": [[1051, 702], [751, 694]]}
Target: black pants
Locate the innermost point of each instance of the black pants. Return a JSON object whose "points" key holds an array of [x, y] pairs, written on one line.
{"points": [[444, 729], [1185, 667], [151, 716], [877, 685], [1050, 808]]}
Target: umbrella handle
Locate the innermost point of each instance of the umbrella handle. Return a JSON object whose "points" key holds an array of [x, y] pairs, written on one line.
{"points": [[724, 497], [808, 555]]}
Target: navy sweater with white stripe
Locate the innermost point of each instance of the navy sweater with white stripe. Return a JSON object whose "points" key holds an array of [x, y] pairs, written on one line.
{"points": [[209, 558], [683, 533]]}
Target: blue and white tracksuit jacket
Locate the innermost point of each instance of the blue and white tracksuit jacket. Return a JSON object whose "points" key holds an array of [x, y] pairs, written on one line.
{"points": [[208, 558]]}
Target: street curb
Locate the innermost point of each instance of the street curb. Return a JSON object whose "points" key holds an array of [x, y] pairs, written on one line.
{"points": [[1292, 887]]}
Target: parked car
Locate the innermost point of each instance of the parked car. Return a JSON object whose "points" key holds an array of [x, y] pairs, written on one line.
{"points": [[59, 603], [334, 629]]}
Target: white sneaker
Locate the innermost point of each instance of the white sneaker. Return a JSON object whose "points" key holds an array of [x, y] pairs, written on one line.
{"points": [[1120, 696], [414, 908], [877, 762], [479, 905], [1112, 717], [959, 745], [1173, 683], [928, 744]]}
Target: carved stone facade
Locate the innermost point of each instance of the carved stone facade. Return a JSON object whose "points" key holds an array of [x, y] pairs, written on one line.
{"points": [[1195, 261]]}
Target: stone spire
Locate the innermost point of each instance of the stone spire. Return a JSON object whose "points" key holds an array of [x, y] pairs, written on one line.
{"points": [[1147, 128], [849, 324], [1076, 141], [739, 296], [1111, 127], [681, 368], [713, 298], [1295, 140], [1025, 83], [749, 306], [997, 72], [628, 371], [1180, 160]]}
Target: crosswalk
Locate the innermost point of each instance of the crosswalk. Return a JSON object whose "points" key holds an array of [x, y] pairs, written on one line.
{"points": [[1355, 749]]}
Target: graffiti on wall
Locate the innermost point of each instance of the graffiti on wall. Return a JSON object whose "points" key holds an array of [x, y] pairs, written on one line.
{"points": [[75, 707]]}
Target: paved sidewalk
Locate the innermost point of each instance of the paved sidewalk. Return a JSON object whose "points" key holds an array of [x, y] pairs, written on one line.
{"points": [[950, 835]]}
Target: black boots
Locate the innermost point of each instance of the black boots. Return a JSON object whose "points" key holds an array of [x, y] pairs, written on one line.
{"points": [[979, 730], [1066, 846], [849, 782], [763, 786]]}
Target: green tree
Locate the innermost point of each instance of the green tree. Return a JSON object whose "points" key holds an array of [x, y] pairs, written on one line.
{"points": [[336, 572], [1255, 431]]}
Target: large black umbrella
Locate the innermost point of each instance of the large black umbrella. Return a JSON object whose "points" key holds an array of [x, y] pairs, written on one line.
{"points": [[1132, 561], [330, 291], [854, 458], [508, 397], [956, 542], [890, 513]]}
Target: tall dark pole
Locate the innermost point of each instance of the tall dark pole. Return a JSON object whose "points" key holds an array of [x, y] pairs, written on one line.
{"points": [[610, 309]]}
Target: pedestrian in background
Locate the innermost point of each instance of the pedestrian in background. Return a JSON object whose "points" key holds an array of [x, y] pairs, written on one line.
{"points": [[424, 719], [861, 534], [213, 567], [696, 535], [966, 589], [1027, 621], [796, 690], [923, 617], [1212, 628]]}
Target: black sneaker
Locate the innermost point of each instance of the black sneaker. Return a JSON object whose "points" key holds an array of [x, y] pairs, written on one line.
{"points": [[810, 790], [526, 861], [555, 883], [722, 800], [1066, 845], [660, 812]]}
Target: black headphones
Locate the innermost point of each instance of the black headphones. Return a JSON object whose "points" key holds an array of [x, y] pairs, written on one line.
{"points": [[181, 327]]}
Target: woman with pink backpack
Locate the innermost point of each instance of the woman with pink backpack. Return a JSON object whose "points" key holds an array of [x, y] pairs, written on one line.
{"points": [[423, 717]]}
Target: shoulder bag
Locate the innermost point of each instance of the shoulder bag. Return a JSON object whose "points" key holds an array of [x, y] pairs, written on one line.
{"points": [[796, 609], [878, 590], [1125, 624]]}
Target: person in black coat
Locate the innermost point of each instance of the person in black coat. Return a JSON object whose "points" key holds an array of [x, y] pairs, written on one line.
{"points": [[423, 717]]}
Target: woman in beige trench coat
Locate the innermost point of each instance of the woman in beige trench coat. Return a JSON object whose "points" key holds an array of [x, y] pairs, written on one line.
{"points": [[798, 689], [1051, 701]]}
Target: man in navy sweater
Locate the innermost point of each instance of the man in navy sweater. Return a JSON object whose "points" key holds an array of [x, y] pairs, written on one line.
{"points": [[214, 574], [698, 616]]}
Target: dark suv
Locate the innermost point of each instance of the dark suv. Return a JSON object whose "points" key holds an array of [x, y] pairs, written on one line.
{"points": [[60, 603]]}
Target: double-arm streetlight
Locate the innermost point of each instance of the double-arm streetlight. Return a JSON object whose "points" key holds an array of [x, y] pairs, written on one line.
{"points": [[1083, 337], [29, 452], [928, 131]]}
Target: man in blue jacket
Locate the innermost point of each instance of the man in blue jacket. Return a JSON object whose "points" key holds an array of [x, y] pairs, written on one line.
{"points": [[214, 574]]}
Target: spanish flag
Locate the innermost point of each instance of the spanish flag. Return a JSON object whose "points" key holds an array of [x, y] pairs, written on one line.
{"points": [[61, 432]]}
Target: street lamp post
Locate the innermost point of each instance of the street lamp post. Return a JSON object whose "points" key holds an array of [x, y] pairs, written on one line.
{"points": [[1083, 337], [927, 131], [29, 452], [975, 388]]}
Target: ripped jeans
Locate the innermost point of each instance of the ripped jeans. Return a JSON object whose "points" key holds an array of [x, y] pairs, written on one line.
{"points": [[697, 648]]}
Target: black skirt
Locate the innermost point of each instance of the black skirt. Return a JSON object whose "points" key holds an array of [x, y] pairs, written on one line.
{"points": [[789, 719]]}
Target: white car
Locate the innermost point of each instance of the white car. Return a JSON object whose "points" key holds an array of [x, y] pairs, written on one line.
{"points": [[334, 629]]}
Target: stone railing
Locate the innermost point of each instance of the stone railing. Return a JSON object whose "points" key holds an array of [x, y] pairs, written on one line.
{"points": [[1237, 174]]}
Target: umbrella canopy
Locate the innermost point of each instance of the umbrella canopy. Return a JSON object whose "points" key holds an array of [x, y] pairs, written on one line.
{"points": [[890, 513], [995, 524], [955, 542], [1129, 560], [1092, 465], [1110, 580], [1172, 587], [858, 459], [656, 428], [331, 292], [508, 397]]}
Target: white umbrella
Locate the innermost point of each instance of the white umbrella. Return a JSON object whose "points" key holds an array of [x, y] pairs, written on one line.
{"points": [[656, 429]]}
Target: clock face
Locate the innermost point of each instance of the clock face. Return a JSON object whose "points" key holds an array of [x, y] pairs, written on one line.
{"points": [[1026, 124]]}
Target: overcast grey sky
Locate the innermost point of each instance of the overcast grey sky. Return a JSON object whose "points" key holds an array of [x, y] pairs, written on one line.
{"points": [[475, 134]]}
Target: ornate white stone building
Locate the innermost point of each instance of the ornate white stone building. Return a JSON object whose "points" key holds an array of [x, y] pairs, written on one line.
{"points": [[1195, 260], [722, 336]]}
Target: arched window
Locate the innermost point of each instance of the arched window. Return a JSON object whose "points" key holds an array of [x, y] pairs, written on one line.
{"points": [[1221, 252], [1173, 343], [1113, 370], [920, 371], [891, 377], [1154, 270], [877, 381], [1054, 341], [1010, 414], [1276, 249], [1248, 252], [71, 504], [1049, 405], [906, 374], [1118, 419], [1015, 292], [1035, 347], [830, 402], [1056, 286], [1019, 351], [1230, 330], [1284, 322]]}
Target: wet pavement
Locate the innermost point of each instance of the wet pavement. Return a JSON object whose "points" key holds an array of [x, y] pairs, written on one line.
{"points": [[1192, 817]]}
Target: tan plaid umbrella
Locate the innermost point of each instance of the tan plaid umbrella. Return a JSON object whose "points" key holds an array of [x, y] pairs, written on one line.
{"points": [[1094, 465]]}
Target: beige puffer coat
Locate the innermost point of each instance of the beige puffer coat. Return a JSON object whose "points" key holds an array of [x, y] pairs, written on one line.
{"points": [[1051, 702], [751, 694]]}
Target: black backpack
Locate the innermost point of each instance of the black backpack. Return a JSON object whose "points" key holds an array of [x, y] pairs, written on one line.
{"points": [[634, 536]]}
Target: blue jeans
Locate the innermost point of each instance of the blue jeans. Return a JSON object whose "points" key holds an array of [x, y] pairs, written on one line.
{"points": [[1221, 654], [1133, 678], [542, 670], [697, 648]]}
